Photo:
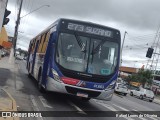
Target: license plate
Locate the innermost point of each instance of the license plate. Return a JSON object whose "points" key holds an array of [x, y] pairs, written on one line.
{"points": [[82, 95]]}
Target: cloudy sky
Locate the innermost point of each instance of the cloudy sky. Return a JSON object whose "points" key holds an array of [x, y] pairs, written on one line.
{"points": [[140, 18]]}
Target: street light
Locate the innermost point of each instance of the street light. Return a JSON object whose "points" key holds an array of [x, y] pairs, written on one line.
{"points": [[19, 18], [122, 47], [121, 53]]}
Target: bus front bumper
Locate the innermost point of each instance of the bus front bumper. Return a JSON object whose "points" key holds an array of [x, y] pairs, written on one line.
{"points": [[53, 85]]}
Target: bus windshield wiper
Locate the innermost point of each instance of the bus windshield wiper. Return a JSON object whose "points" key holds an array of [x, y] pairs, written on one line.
{"points": [[94, 51], [80, 43]]}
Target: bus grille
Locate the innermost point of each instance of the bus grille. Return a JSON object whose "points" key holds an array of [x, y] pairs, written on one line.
{"points": [[91, 94]]}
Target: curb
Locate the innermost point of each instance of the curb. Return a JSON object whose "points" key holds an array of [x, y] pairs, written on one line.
{"points": [[14, 105], [4, 103]]}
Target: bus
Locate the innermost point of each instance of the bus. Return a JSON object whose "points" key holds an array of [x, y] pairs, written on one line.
{"points": [[76, 57]]}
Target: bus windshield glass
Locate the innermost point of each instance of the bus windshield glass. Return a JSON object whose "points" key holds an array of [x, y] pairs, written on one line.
{"points": [[85, 54]]}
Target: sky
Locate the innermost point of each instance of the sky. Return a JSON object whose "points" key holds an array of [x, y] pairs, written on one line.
{"points": [[139, 18]]}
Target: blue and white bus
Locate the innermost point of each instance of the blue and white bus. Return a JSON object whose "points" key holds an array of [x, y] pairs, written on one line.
{"points": [[76, 57]]}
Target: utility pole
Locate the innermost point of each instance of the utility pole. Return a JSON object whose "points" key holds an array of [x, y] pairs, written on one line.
{"points": [[121, 53], [17, 25], [151, 67], [153, 45]]}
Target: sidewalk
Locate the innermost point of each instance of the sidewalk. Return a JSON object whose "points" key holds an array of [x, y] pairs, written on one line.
{"points": [[7, 70]]}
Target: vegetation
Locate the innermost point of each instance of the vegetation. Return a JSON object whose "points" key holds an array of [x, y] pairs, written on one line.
{"points": [[143, 77], [22, 51]]}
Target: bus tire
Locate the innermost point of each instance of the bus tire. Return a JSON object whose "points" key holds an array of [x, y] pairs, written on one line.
{"points": [[40, 88], [28, 67], [29, 75]]}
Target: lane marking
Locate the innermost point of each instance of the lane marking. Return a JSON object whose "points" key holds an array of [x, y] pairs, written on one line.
{"points": [[35, 106], [76, 107], [127, 110], [143, 113], [112, 109], [120, 107], [44, 102], [108, 106], [139, 105]]}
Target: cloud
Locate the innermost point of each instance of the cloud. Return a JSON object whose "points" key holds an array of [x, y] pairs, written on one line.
{"points": [[137, 17]]}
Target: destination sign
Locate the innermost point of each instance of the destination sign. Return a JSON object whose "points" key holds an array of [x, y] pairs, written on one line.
{"points": [[90, 30]]}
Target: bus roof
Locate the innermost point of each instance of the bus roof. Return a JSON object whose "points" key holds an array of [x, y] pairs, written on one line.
{"points": [[85, 22], [58, 21]]}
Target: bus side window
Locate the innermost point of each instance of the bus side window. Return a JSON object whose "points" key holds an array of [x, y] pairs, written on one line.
{"points": [[41, 43], [45, 42], [33, 46], [30, 47]]}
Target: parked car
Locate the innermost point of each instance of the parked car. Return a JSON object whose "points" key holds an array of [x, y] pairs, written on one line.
{"points": [[25, 58], [3, 53], [19, 57], [143, 93], [121, 88]]}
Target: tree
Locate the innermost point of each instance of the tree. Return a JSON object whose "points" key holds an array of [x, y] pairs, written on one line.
{"points": [[143, 77]]}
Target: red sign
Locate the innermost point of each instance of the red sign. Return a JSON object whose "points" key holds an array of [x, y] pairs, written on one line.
{"points": [[7, 44]]}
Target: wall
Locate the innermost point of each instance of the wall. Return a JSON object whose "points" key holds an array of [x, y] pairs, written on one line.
{"points": [[3, 36]]}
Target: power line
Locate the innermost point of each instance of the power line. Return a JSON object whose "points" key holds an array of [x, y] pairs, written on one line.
{"points": [[142, 36]]}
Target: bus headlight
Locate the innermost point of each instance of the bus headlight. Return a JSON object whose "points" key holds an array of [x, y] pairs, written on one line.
{"points": [[110, 86], [56, 76]]}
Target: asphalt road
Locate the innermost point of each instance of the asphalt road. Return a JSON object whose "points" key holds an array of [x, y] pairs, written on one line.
{"points": [[28, 98]]}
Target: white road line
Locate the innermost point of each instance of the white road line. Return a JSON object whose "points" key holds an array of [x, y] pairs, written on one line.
{"points": [[143, 113], [111, 108], [153, 118], [127, 110], [44, 102], [35, 106], [76, 107], [108, 106], [120, 107], [34, 102]]}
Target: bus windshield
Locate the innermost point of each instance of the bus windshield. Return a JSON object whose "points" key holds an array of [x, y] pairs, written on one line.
{"points": [[85, 54]]}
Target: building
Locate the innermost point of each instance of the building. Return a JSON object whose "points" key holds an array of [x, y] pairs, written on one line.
{"points": [[125, 71], [4, 39]]}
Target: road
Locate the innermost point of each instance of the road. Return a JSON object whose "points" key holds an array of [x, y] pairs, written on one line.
{"points": [[28, 98]]}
